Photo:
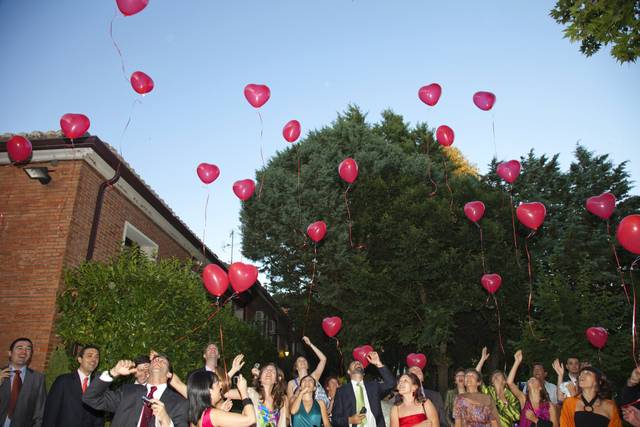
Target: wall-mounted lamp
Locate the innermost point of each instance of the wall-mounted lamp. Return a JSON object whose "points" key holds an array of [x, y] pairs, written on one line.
{"points": [[39, 173]]}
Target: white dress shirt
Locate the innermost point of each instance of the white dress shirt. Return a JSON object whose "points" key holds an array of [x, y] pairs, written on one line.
{"points": [[371, 420]]}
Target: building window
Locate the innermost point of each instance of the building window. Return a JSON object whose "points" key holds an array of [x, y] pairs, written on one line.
{"points": [[132, 236], [238, 311]]}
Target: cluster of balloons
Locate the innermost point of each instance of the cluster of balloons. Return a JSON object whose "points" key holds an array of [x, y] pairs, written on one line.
{"points": [[241, 276]]}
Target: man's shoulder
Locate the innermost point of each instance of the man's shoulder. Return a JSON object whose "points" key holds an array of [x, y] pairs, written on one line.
{"points": [[38, 376], [173, 396]]}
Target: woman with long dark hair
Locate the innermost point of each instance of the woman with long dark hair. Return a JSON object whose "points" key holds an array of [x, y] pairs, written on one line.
{"points": [[204, 392], [301, 370], [473, 408], [592, 407], [306, 409], [537, 408], [411, 408]]}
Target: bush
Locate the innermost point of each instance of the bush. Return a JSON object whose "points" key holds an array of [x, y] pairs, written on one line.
{"points": [[133, 304], [58, 365]]}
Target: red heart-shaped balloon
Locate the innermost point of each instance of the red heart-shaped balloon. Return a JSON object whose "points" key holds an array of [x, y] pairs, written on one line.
{"points": [[531, 214], [131, 7], [348, 170], [416, 359], [291, 131], [74, 125], [215, 279], [141, 82], [491, 282], [360, 354], [242, 276], [244, 189], [208, 172], [628, 233], [257, 95], [509, 171], [597, 336], [19, 148], [430, 94], [602, 205], [444, 135], [474, 210], [331, 325], [484, 100], [317, 230]]}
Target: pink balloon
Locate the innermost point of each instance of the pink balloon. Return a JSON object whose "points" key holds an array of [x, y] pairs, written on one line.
{"points": [[416, 359], [131, 7], [484, 100], [215, 279], [74, 125], [628, 233], [597, 336], [360, 354], [602, 205], [291, 131], [531, 214], [242, 276], [141, 82], [509, 171], [208, 172], [331, 325], [244, 189], [257, 95], [491, 282], [348, 170], [474, 210], [19, 149], [430, 94], [444, 135], [317, 231]]}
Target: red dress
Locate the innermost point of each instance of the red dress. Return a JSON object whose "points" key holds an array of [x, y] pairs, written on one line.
{"points": [[206, 418], [410, 420]]}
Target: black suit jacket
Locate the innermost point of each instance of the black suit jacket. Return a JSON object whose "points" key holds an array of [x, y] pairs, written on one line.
{"points": [[30, 406], [64, 407], [436, 399], [345, 400], [126, 403]]}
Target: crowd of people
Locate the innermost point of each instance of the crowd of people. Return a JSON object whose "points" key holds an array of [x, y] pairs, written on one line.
{"points": [[154, 396]]}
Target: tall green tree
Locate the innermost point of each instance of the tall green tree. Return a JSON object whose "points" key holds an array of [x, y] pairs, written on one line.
{"points": [[600, 23]]}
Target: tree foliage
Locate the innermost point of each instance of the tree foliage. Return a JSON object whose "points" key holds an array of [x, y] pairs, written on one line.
{"points": [[599, 23], [133, 304]]}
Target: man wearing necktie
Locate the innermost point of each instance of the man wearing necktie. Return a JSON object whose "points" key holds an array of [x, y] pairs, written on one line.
{"points": [[22, 390], [64, 407], [357, 403], [134, 405]]}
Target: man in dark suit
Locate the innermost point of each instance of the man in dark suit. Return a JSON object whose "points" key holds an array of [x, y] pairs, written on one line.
{"points": [[432, 395], [357, 394], [126, 402], [22, 390], [64, 407]]}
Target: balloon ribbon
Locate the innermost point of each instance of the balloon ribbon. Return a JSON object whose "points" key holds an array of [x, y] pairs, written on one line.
{"points": [[618, 267], [499, 324], [211, 316], [311, 285], [633, 317], [446, 182], [529, 268], [264, 171], [124, 72], [346, 203], [341, 357], [204, 231], [484, 269], [513, 225]]}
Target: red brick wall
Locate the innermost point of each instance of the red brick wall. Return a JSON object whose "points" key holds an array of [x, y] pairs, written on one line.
{"points": [[44, 228]]}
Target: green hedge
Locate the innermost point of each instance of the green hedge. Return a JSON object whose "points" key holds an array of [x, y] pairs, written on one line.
{"points": [[133, 304]]}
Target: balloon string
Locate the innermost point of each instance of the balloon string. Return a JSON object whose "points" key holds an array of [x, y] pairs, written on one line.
{"points": [[529, 267], [299, 193], [124, 72], [446, 181], [434, 185], [493, 130], [499, 324], [346, 203], [264, 171], [633, 317], [204, 231], [211, 316], [311, 284], [126, 126], [618, 266], [484, 268], [341, 356], [224, 361], [513, 226]]}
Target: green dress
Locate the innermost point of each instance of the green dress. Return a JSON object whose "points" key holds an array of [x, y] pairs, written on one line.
{"points": [[302, 418], [508, 411]]}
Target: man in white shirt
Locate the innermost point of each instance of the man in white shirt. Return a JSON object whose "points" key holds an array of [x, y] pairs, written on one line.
{"points": [[541, 374], [567, 388], [129, 402]]}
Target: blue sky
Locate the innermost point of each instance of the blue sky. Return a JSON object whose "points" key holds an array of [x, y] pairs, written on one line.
{"points": [[317, 57]]}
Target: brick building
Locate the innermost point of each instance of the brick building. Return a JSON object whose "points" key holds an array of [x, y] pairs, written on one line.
{"points": [[93, 204]]}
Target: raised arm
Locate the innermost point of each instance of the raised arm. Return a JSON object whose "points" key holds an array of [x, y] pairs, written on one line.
{"points": [[557, 366], [512, 376], [98, 396], [297, 400], [245, 419], [483, 358], [176, 383], [322, 359], [388, 380]]}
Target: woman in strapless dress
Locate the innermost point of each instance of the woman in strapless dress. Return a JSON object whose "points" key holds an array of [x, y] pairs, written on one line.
{"points": [[411, 408]]}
